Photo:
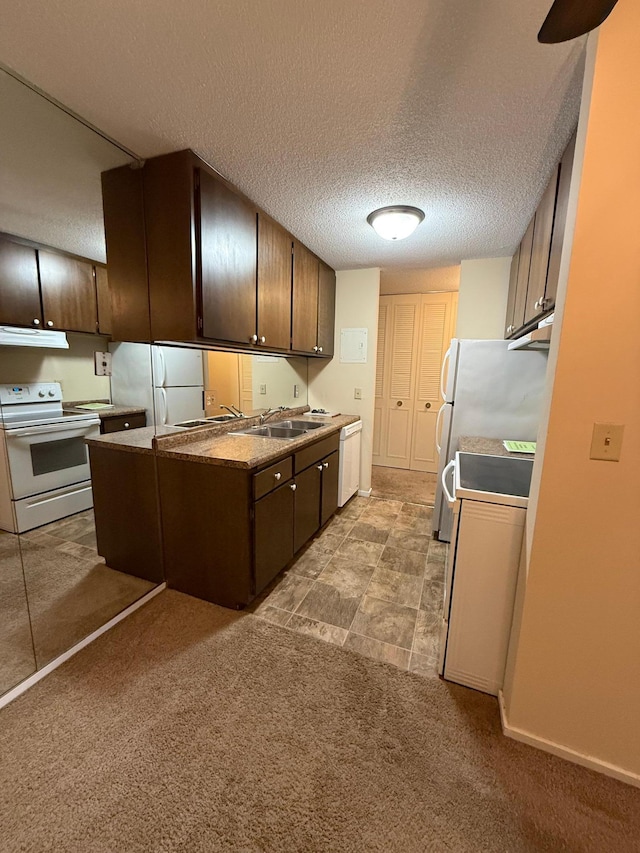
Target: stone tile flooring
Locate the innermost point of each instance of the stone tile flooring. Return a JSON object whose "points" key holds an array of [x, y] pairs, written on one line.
{"points": [[372, 581]]}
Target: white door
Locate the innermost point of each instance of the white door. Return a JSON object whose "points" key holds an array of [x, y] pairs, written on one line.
{"points": [[177, 366], [174, 405]]}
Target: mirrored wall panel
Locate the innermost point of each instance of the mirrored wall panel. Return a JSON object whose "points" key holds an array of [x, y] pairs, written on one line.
{"points": [[55, 585]]}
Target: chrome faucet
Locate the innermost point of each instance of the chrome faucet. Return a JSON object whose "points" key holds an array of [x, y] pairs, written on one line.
{"points": [[234, 411], [268, 412]]}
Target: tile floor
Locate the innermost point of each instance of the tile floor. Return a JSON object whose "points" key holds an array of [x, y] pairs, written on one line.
{"points": [[372, 581]]}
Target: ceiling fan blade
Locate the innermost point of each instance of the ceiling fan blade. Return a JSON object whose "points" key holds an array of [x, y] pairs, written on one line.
{"points": [[568, 19]]}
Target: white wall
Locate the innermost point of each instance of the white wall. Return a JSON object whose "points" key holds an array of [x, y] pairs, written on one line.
{"points": [[331, 384], [72, 368], [482, 301]]}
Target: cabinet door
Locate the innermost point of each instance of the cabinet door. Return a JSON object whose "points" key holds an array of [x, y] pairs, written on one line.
{"points": [[19, 288], [226, 257], [559, 224], [522, 281], [511, 298], [304, 331], [307, 505], [104, 301], [68, 293], [540, 249], [274, 284], [326, 309], [329, 487], [273, 534]]}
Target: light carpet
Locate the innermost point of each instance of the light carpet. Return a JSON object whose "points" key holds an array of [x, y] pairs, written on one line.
{"points": [[193, 728]]}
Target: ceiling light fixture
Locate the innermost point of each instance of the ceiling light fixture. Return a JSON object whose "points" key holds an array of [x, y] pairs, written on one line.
{"points": [[396, 221]]}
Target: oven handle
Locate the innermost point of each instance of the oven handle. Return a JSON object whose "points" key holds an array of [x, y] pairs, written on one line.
{"points": [[83, 426]]}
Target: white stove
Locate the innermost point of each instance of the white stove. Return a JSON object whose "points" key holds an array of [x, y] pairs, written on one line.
{"points": [[44, 464]]}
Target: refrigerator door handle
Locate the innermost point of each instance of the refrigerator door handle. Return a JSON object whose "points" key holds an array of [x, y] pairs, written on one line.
{"points": [[445, 362], [438, 424], [449, 467], [163, 396], [163, 369]]}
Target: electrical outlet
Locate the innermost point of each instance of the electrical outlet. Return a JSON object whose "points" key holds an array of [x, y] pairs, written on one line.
{"points": [[606, 442], [102, 363], [263, 389], [210, 398], [296, 390], [357, 393]]}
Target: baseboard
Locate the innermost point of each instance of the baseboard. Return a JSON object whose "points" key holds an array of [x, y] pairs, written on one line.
{"points": [[564, 751], [365, 493], [21, 688]]}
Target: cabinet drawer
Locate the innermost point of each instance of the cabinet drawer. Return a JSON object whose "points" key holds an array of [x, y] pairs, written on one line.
{"points": [[274, 475], [122, 422], [308, 455]]}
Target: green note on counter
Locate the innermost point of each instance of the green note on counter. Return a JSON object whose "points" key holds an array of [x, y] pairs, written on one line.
{"points": [[95, 406], [520, 446]]}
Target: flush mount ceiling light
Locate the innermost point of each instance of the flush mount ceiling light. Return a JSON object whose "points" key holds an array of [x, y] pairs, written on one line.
{"points": [[395, 222]]}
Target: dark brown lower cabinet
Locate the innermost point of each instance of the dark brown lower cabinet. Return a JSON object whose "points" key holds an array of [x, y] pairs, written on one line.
{"points": [[307, 505], [329, 487], [273, 533]]}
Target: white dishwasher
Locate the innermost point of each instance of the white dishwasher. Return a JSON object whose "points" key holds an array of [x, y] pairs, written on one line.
{"points": [[349, 468]]}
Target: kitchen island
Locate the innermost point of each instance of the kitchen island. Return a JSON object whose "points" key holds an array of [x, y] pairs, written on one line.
{"points": [[221, 513]]}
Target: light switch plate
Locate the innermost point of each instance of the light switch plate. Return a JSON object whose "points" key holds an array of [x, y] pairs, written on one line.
{"points": [[606, 442], [263, 388], [357, 393]]}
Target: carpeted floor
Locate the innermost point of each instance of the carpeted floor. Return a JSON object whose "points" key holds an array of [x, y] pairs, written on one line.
{"points": [[416, 487], [193, 728]]}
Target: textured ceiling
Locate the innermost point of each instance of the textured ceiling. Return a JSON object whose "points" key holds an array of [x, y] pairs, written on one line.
{"points": [[322, 110]]}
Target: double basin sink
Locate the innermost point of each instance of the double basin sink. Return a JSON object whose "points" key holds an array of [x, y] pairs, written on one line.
{"points": [[282, 429]]}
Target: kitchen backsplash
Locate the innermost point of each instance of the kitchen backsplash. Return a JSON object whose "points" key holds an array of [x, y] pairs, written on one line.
{"points": [[72, 368]]}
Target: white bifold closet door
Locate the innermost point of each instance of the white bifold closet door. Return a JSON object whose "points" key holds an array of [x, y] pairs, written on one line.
{"points": [[414, 331]]}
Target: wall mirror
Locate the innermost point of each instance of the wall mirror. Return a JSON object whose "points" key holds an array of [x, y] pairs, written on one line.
{"points": [[55, 589]]}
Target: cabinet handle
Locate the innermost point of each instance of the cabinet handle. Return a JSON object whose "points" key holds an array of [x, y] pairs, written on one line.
{"points": [[543, 303], [325, 464], [263, 339], [319, 467], [315, 349], [36, 322], [49, 322], [293, 487], [319, 349], [427, 405], [127, 425], [278, 475], [399, 403], [254, 339]]}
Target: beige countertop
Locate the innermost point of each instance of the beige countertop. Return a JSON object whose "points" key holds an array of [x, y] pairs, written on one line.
{"points": [[488, 446], [112, 412], [214, 446]]}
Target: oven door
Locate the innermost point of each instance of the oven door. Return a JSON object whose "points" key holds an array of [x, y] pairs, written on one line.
{"points": [[50, 456]]}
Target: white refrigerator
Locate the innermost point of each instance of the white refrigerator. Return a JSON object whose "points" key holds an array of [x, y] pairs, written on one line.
{"points": [[489, 391], [167, 381]]}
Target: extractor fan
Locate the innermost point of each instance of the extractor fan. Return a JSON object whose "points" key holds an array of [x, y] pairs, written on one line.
{"points": [[568, 19]]}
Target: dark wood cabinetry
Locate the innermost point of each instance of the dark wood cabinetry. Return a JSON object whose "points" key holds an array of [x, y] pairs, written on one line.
{"points": [[273, 533], [19, 285], [213, 268], [104, 300], [275, 257], [329, 502], [119, 423], [535, 267], [68, 293], [308, 498]]}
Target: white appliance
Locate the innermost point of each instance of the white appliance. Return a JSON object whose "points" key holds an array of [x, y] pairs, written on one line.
{"points": [[14, 336], [349, 465], [489, 391], [489, 499], [168, 381], [44, 464]]}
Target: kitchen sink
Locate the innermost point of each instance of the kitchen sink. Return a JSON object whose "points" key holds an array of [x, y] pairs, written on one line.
{"points": [[271, 431], [220, 418], [305, 425]]}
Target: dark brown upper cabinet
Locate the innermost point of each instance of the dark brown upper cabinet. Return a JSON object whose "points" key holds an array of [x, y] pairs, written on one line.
{"points": [[540, 250], [19, 285], [326, 309], [211, 267], [226, 260], [104, 300], [559, 224], [275, 260], [68, 293]]}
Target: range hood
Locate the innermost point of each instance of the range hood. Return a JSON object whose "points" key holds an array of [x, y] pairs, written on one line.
{"points": [[14, 336], [539, 338]]}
